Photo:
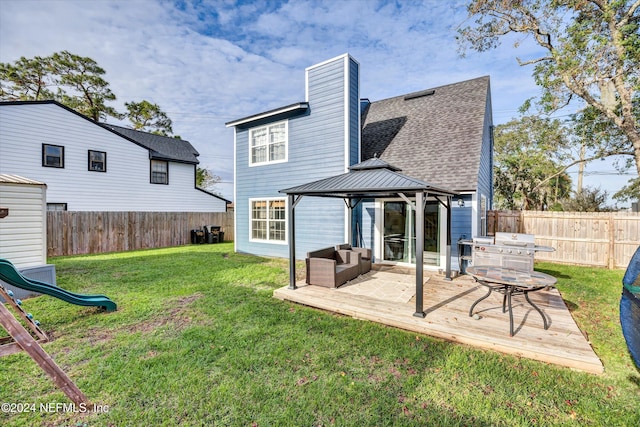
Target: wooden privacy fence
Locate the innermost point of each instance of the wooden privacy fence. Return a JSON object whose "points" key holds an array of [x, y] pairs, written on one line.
{"points": [[601, 239], [74, 233]]}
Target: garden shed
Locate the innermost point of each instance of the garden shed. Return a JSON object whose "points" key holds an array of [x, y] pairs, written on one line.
{"points": [[23, 228]]}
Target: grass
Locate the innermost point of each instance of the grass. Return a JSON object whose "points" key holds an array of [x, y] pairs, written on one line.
{"points": [[198, 339]]}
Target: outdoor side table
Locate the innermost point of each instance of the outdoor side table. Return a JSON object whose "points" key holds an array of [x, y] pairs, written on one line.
{"points": [[509, 282]]}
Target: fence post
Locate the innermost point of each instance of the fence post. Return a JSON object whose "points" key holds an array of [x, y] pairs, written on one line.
{"points": [[612, 246]]}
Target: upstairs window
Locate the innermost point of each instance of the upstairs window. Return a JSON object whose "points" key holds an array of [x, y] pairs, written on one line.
{"points": [[52, 156], [159, 172], [97, 161], [268, 144]]}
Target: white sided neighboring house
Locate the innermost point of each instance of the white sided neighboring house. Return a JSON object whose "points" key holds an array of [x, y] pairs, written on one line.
{"points": [[91, 166]]}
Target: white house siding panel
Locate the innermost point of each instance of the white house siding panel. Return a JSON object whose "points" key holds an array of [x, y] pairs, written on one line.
{"points": [[125, 186], [317, 149], [23, 232]]}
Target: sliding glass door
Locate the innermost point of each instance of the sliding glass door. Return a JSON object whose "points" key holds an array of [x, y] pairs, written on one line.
{"points": [[399, 233]]}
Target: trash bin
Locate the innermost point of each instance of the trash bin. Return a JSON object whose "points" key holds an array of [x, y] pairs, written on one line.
{"points": [[197, 236], [464, 254], [210, 236], [216, 236]]}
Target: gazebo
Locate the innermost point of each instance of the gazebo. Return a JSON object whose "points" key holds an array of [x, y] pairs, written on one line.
{"points": [[371, 179]]}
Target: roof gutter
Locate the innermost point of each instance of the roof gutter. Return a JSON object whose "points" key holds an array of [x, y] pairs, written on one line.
{"points": [[297, 107]]}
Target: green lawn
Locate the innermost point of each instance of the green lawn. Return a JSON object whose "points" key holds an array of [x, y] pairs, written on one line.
{"points": [[198, 339]]}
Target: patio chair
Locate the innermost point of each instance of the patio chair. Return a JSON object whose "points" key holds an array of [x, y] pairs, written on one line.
{"points": [[331, 268], [365, 256], [630, 307]]}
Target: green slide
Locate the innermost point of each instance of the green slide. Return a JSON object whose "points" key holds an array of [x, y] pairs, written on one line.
{"points": [[10, 275]]}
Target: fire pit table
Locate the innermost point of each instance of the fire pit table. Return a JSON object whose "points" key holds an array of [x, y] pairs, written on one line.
{"points": [[509, 282]]}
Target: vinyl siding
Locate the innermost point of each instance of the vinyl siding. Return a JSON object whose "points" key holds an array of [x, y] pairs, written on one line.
{"points": [[485, 177], [124, 187], [460, 224], [354, 112], [367, 221], [23, 232], [317, 146]]}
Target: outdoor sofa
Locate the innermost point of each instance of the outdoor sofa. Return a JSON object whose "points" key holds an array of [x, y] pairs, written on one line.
{"points": [[365, 256], [331, 268]]}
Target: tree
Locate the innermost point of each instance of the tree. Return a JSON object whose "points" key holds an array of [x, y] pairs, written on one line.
{"points": [[84, 76], [588, 200], [72, 80], [148, 117], [206, 179], [591, 51], [528, 163], [27, 79], [78, 83]]}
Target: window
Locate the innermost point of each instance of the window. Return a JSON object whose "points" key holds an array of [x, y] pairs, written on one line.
{"points": [[268, 144], [56, 206], [52, 156], [159, 172], [268, 220], [97, 161], [483, 215]]}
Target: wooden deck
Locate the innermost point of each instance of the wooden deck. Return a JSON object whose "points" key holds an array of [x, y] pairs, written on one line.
{"points": [[387, 295]]}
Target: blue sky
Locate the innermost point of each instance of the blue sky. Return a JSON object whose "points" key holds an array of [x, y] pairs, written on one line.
{"points": [[208, 62]]}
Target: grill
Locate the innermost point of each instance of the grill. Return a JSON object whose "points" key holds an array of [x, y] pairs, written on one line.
{"points": [[510, 250]]}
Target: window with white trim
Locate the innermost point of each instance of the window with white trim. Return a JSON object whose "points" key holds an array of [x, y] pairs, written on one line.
{"points": [[268, 144], [268, 220], [483, 215]]}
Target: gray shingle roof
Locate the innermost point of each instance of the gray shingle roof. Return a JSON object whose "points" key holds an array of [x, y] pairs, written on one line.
{"points": [[435, 137], [161, 147], [371, 178]]}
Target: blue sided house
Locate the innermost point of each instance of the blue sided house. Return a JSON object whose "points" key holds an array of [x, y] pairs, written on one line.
{"points": [[440, 136]]}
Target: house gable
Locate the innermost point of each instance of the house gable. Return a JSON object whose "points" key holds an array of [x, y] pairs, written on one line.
{"points": [[322, 140], [435, 135], [123, 186]]}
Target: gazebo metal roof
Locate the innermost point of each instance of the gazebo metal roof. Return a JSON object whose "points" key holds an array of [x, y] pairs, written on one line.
{"points": [[371, 178], [374, 178]]}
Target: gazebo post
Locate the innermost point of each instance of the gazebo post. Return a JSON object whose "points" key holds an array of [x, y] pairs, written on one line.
{"points": [[292, 241], [349, 222], [419, 254]]}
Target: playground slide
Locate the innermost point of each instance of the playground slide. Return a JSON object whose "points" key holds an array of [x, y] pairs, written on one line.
{"points": [[10, 275]]}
